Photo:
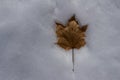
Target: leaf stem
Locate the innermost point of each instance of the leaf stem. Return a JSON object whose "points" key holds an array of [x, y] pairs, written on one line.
{"points": [[73, 58]]}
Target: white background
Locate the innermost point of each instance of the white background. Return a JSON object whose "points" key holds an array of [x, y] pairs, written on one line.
{"points": [[27, 40]]}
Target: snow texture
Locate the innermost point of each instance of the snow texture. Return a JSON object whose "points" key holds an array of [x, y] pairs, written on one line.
{"points": [[27, 37]]}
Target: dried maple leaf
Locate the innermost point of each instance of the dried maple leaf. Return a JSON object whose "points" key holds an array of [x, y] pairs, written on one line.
{"points": [[71, 36]]}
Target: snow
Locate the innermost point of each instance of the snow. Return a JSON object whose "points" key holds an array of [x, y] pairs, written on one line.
{"points": [[27, 40]]}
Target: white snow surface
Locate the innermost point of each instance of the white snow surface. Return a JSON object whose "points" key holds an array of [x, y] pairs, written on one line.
{"points": [[27, 40]]}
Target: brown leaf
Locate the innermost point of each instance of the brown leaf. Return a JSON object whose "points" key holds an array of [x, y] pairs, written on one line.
{"points": [[72, 35]]}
